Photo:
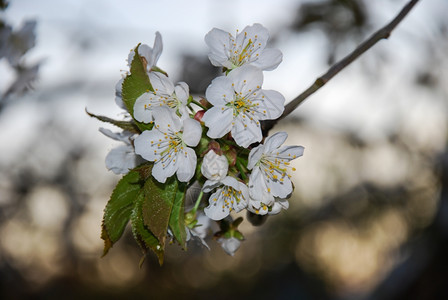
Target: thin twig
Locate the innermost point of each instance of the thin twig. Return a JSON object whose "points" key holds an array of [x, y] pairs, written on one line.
{"points": [[382, 33]]}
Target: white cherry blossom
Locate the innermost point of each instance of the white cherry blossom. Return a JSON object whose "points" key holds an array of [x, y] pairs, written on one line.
{"points": [[122, 158], [231, 195], [151, 55], [165, 94], [247, 47], [270, 178], [167, 145], [214, 167], [239, 104]]}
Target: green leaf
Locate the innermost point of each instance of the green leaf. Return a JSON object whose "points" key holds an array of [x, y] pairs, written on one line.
{"points": [[125, 125], [135, 84], [142, 234], [177, 222], [159, 199], [119, 208]]}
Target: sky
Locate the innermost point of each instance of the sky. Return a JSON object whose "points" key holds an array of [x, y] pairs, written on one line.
{"points": [[83, 47]]}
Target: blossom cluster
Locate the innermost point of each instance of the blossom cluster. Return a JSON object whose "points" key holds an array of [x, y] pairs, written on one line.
{"points": [[217, 141]]}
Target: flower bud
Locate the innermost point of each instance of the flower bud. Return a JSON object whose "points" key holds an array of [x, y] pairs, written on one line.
{"points": [[214, 166], [198, 115]]}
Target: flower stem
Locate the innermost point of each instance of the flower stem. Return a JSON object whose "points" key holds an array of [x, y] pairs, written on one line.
{"points": [[198, 201]]}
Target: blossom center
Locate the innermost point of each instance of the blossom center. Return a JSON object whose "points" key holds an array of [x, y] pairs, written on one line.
{"points": [[274, 168], [242, 52], [229, 195]]}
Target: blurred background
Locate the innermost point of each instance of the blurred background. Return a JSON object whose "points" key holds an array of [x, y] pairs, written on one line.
{"points": [[368, 218]]}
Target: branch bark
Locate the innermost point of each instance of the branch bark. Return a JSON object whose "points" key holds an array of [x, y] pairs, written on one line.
{"points": [[382, 33]]}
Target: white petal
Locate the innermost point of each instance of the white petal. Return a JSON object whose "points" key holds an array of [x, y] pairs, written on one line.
{"points": [[218, 121], [145, 51], [118, 94], [143, 146], [210, 185], [182, 92], [121, 159], [244, 136], [142, 111], [186, 164], [258, 189], [157, 48], [273, 103], [219, 60], [220, 91], [166, 120], [161, 84], [118, 136], [269, 59], [161, 171], [218, 41], [275, 141], [280, 189], [216, 209], [255, 155], [131, 57], [232, 182], [290, 152], [192, 132], [246, 78], [255, 30]]}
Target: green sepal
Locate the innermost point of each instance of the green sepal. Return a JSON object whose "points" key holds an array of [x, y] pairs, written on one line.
{"points": [[125, 125], [119, 208], [135, 84]]}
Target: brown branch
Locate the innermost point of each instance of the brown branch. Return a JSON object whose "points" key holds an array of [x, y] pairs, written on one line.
{"points": [[382, 33]]}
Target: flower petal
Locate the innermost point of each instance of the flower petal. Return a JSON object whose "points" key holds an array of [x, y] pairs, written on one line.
{"points": [[269, 59], [257, 33], [279, 188], [220, 91], [290, 152], [161, 84], [192, 132], [271, 106], [218, 121], [246, 133], [258, 189], [157, 48], [145, 148], [219, 42], [275, 141], [186, 164], [182, 92], [142, 108], [118, 94], [162, 170], [121, 159], [246, 79], [166, 120], [255, 156], [216, 210], [210, 185]]}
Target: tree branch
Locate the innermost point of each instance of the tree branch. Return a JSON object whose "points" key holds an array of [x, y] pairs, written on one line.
{"points": [[382, 33]]}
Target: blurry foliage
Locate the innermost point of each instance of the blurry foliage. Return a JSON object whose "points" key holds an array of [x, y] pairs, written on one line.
{"points": [[14, 44]]}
